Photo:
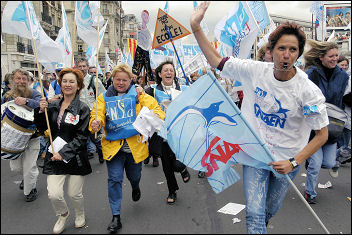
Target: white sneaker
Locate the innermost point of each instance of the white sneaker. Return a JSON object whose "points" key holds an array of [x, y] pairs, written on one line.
{"points": [[333, 174], [80, 220], [60, 224]]}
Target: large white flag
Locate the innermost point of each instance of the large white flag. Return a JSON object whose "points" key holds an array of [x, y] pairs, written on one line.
{"points": [[95, 10], [85, 23], [19, 18], [108, 63], [237, 31], [64, 39]]}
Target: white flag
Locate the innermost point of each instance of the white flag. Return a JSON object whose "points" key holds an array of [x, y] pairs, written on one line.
{"points": [[95, 10], [84, 22], [237, 31], [19, 18], [64, 39]]}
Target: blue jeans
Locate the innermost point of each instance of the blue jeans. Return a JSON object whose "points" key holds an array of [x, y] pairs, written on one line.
{"points": [[264, 194], [116, 168], [325, 157], [344, 151]]}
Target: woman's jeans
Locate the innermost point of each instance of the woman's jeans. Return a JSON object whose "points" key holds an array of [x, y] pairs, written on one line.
{"points": [[116, 168], [325, 157], [264, 194]]}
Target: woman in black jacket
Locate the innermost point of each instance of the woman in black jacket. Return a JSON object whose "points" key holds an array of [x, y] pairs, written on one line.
{"points": [[166, 79], [68, 120]]}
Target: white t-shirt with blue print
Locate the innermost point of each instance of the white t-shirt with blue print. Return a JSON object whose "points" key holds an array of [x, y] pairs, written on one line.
{"points": [[282, 113]]}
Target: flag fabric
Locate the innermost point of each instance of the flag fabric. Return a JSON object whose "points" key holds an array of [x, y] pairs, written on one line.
{"points": [[84, 22], [64, 39], [91, 55], [108, 63], [265, 38], [331, 37], [207, 132], [132, 46], [19, 18], [317, 9], [215, 44], [260, 13], [166, 7], [237, 31], [95, 10]]}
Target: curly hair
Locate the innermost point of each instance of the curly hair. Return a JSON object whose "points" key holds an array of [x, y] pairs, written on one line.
{"points": [[317, 50], [78, 74], [288, 28], [261, 52], [160, 67]]}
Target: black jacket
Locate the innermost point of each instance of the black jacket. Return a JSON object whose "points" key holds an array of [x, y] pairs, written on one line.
{"points": [[74, 133]]}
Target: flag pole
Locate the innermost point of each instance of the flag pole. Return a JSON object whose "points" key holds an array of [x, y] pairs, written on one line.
{"points": [[184, 74], [96, 73], [266, 150], [40, 79]]}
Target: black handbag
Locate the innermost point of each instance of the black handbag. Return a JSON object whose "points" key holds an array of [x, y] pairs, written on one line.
{"points": [[337, 120]]}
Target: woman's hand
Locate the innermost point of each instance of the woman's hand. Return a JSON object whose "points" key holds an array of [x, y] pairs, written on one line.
{"points": [[95, 125], [282, 166], [139, 91], [198, 15], [56, 157], [43, 104]]}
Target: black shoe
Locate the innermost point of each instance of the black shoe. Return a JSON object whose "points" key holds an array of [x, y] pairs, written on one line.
{"points": [[101, 159], [201, 174], [155, 162], [90, 155], [309, 199], [31, 196], [115, 224], [21, 185], [146, 161], [171, 196], [185, 175], [136, 194]]}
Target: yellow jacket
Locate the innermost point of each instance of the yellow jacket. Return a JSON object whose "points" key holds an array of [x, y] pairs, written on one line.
{"points": [[110, 148]]}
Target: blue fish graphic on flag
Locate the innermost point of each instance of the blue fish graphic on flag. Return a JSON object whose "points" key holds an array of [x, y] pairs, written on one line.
{"points": [[207, 132]]}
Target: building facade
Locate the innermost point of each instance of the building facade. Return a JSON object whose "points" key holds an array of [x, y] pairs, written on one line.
{"points": [[18, 52]]}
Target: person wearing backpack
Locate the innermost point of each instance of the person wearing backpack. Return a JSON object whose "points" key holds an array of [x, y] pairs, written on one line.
{"points": [[88, 96]]}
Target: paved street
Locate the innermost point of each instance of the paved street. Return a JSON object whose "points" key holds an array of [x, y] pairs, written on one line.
{"points": [[194, 212]]}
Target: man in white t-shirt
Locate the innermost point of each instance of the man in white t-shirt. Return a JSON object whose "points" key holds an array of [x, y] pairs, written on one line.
{"points": [[282, 105]]}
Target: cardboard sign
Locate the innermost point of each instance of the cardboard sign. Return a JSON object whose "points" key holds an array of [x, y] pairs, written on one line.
{"points": [[161, 36]]}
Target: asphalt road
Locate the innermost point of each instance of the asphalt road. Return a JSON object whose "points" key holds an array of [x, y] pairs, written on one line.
{"points": [[195, 211]]}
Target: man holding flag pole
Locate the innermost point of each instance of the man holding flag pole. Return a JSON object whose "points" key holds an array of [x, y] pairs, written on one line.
{"points": [[280, 104]]}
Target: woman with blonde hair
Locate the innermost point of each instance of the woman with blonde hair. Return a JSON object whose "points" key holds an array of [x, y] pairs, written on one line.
{"points": [[321, 60], [122, 145], [264, 53]]}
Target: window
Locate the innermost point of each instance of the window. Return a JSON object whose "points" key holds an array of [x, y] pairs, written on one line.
{"points": [[80, 47], [131, 27]]}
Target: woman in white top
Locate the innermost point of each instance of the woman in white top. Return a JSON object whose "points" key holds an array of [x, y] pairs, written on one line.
{"points": [[282, 105]]}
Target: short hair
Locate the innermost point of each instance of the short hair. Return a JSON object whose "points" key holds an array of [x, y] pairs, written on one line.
{"points": [[22, 71], [82, 59], [160, 67], [77, 73], [122, 68], [288, 28], [343, 58]]}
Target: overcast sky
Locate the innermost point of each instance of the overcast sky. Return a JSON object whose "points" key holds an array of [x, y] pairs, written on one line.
{"points": [[181, 11]]}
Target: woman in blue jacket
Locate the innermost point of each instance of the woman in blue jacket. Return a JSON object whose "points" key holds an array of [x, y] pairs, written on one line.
{"points": [[332, 80]]}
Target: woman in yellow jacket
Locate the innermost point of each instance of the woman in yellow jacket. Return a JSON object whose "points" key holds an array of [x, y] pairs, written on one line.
{"points": [[122, 145]]}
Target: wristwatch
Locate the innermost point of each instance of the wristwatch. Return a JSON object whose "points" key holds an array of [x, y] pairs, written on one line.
{"points": [[293, 162], [26, 101]]}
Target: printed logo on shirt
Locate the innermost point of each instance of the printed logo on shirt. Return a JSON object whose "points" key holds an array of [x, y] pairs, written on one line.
{"points": [[71, 119], [313, 109], [269, 109]]}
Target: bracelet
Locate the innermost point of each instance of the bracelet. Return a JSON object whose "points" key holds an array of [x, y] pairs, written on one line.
{"points": [[196, 30]]}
